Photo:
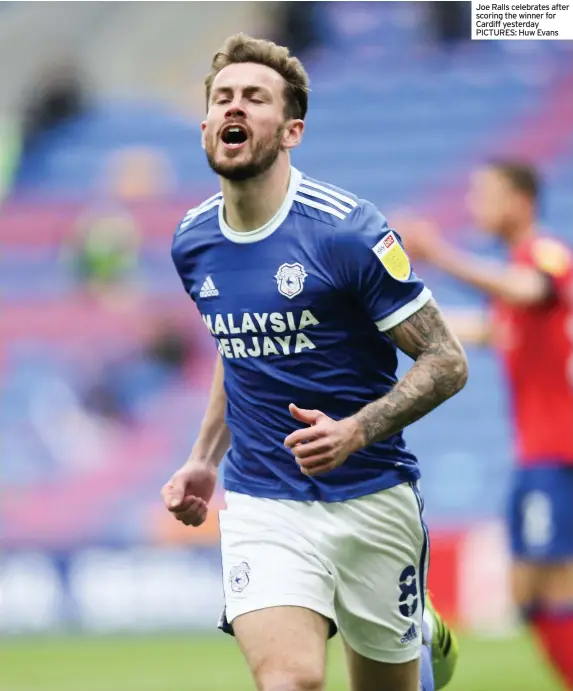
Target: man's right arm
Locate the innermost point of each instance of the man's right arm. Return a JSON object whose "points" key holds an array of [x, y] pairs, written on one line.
{"points": [[516, 283], [188, 493], [214, 436]]}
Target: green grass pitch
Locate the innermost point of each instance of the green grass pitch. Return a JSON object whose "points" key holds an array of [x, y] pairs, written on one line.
{"points": [[213, 663]]}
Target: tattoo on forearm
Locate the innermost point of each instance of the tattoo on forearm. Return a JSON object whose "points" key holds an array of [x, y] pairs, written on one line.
{"points": [[440, 371]]}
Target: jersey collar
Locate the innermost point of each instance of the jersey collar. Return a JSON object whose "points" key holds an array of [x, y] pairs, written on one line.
{"points": [[270, 226]]}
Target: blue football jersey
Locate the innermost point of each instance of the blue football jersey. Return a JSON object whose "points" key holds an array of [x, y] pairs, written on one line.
{"points": [[299, 309]]}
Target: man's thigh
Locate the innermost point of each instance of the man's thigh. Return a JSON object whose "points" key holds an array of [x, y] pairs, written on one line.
{"points": [[285, 647], [557, 584], [268, 562], [381, 578], [541, 584]]}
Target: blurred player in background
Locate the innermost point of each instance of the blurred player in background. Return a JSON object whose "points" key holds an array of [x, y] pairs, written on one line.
{"points": [[531, 325], [308, 294]]}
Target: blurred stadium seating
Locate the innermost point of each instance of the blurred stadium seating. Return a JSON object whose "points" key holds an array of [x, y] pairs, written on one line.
{"points": [[393, 117]]}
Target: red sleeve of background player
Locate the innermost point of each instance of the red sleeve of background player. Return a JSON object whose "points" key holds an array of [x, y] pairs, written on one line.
{"points": [[553, 259]]}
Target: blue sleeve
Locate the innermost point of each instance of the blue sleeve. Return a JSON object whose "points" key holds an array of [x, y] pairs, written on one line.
{"points": [[370, 262]]}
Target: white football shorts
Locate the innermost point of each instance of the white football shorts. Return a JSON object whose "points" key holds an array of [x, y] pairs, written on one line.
{"points": [[361, 563]]}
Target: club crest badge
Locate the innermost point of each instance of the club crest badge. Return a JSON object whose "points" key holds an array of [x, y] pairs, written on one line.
{"points": [[239, 577], [290, 279]]}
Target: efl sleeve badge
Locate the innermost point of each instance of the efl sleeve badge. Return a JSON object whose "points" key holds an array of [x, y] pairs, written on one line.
{"points": [[393, 258]]}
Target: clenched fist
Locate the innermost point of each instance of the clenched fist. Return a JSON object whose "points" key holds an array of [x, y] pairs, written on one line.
{"points": [[189, 492]]}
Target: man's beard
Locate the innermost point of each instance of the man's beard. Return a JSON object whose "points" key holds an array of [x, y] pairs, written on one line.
{"points": [[262, 158]]}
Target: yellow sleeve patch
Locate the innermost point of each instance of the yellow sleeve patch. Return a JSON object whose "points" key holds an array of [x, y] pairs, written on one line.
{"points": [[393, 258], [550, 257]]}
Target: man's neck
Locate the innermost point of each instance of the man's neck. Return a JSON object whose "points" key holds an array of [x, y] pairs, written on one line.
{"points": [[252, 203], [520, 232]]}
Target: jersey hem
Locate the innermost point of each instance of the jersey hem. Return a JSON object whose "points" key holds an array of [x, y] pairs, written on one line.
{"points": [[388, 481]]}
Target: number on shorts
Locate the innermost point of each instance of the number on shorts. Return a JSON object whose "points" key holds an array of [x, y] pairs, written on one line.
{"points": [[408, 592], [537, 519]]}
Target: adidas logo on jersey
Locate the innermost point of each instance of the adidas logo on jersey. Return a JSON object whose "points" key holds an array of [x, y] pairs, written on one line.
{"points": [[410, 635], [208, 289]]}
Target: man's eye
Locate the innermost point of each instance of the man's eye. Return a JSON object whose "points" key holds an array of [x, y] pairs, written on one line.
{"points": [[222, 101]]}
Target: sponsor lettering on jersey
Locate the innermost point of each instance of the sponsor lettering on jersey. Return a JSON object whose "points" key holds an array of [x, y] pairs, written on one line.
{"points": [[242, 344]]}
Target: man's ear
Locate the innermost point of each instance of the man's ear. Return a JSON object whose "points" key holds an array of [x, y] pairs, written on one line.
{"points": [[292, 134]]}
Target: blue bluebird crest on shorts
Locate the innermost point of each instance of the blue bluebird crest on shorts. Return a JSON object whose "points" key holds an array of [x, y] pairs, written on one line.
{"points": [[239, 577]]}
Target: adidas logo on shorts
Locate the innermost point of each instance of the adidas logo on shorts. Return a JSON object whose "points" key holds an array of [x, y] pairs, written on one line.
{"points": [[208, 289], [410, 635]]}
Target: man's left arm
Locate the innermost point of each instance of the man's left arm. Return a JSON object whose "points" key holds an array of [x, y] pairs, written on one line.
{"points": [[375, 270], [439, 371]]}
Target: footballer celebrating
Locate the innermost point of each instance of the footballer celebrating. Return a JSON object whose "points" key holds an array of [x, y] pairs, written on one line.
{"points": [[308, 294]]}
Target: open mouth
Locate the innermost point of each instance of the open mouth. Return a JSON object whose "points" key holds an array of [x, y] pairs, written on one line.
{"points": [[234, 136]]}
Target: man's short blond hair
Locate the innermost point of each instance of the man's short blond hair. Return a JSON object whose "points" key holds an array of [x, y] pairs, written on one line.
{"points": [[241, 48]]}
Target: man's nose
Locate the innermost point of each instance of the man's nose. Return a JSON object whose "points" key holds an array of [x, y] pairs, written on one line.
{"points": [[235, 111]]}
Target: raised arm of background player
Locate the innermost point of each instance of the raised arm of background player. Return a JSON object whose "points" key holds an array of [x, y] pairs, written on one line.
{"points": [[518, 284], [188, 492]]}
